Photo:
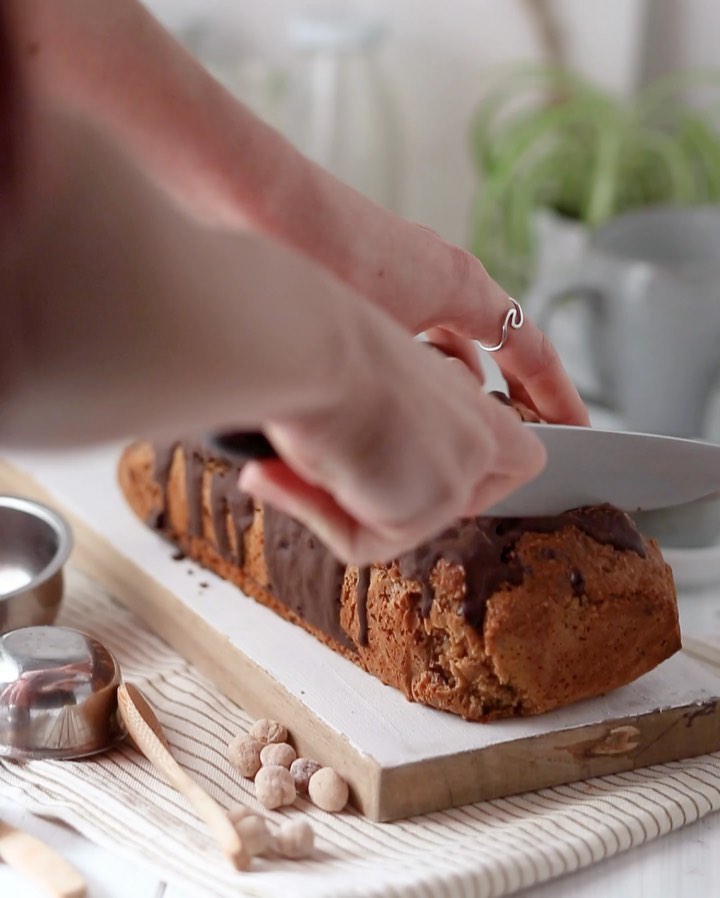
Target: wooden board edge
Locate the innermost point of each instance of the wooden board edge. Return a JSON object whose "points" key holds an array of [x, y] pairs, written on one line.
{"points": [[550, 759], [236, 675]]}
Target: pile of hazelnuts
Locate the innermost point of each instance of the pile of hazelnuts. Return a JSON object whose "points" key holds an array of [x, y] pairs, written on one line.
{"points": [[265, 756]]}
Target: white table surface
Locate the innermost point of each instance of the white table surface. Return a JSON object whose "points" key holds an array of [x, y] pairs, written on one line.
{"points": [[682, 863]]}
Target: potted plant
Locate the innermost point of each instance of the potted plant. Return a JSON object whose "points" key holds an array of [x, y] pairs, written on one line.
{"points": [[556, 153]]}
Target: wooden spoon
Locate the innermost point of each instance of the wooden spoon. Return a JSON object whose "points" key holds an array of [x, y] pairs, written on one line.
{"points": [[146, 730], [40, 863]]}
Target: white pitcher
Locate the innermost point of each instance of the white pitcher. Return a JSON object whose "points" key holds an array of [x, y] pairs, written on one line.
{"points": [[650, 285]]}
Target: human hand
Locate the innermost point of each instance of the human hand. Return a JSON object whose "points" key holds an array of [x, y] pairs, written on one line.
{"points": [[410, 444], [383, 442], [422, 282], [428, 284], [189, 134]]}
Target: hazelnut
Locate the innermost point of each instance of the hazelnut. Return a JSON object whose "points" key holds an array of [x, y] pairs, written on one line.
{"points": [[267, 731], [328, 790], [302, 769], [294, 839], [274, 786], [255, 834], [279, 753], [244, 754]]}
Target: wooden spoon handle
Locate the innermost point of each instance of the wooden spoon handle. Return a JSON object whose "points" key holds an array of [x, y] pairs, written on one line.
{"points": [[40, 863], [144, 728]]}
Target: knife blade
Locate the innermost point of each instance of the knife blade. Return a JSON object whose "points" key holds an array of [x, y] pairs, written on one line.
{"points": [[585, 466], [633, 471]]}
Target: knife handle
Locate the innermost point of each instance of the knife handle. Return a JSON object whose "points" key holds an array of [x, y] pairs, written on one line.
{"points": [[245, 445]]}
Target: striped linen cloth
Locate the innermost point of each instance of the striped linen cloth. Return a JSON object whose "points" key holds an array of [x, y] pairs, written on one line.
{"points": [[489, 849]]}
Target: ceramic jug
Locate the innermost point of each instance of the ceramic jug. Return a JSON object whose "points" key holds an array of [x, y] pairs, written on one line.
{"points": [[649, 284]]}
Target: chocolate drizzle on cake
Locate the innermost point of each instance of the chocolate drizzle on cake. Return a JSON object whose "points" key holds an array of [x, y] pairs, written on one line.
{"points": [[164, 454], [485, 547], [304, 575], [577, 582], [308, 579], [478, 545], [194, 470], [225, 496], [361, 592]]}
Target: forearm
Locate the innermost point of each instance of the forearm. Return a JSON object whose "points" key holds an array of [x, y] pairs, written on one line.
{"points": [[113, 60], [125, 317]]}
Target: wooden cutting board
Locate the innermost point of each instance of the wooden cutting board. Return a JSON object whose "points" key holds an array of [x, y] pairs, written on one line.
{"points": [[400, 758]]}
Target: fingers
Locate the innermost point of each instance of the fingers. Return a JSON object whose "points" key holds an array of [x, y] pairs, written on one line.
{"points": [[530, 364], [536, 376], [534, 373], [454, 345], [276, 483], [414, 472], [434, 286], [520, 457], [476, 309]]}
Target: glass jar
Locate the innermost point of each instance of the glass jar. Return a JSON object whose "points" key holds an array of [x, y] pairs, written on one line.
{"points": [[257, 81], [339, 110]]}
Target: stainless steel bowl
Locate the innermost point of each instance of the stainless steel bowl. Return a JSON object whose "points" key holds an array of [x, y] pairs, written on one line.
{"points": [[58, 694], [35, 543]]}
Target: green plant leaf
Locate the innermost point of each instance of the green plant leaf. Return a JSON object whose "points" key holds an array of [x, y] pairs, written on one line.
{"points": [[547, 137]]}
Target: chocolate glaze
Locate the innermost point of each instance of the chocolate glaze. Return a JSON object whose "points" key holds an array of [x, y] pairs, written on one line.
{"points": [[363, 585], [485, 547], [164, 454], [224, 496], [194, 469], [304, 575], [308, 579], [577, 582]]}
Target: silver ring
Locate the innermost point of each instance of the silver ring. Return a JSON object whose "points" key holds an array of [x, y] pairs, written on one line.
{"points": [[513, 318]]}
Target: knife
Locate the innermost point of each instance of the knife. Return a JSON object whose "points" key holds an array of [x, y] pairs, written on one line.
{"points": [[585, 466]]}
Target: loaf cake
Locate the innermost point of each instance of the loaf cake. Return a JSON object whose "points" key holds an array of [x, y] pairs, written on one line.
{"points": [[495, 617]]}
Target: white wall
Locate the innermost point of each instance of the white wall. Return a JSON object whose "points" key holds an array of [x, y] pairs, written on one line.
{"points": [[682, 34], [434, 62]]}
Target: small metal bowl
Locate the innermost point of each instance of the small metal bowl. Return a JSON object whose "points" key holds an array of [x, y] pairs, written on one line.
{"points": [[35, 543], [58, 694]]}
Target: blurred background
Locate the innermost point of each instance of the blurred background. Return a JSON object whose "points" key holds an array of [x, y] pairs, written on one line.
{"points": [[434, 60], [541, 134]]}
